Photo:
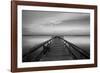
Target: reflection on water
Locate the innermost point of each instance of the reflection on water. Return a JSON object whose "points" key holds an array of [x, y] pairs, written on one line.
{"points": [[30, 41]]}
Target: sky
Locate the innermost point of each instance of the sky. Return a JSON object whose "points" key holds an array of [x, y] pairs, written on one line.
{"points": [[55, 23]]}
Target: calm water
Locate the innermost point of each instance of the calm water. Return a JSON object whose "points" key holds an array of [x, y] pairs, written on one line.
{"points": [[30, 41]]}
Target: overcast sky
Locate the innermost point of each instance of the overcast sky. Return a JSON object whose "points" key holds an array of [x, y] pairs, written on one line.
{"points": [[55, 23]]}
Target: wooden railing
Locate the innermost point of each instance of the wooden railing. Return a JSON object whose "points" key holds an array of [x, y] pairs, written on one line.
{"points": [[37, 58], [76, 48]]}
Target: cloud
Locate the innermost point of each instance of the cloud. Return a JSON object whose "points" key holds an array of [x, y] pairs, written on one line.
{"points": [[55, 23]]}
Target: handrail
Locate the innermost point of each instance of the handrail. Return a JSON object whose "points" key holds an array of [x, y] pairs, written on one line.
{"points": [[40, 45], [73, 55], [78, 49], [81, 51], [43, 52]]}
